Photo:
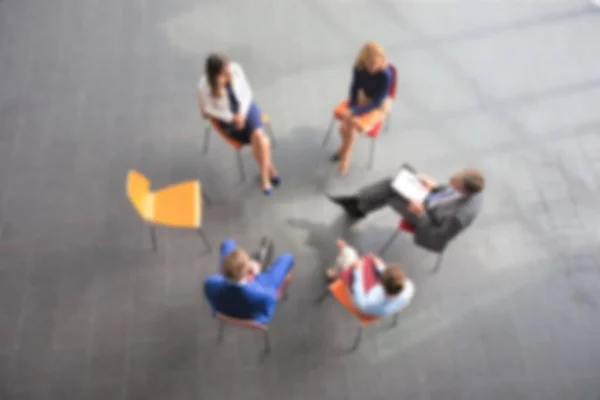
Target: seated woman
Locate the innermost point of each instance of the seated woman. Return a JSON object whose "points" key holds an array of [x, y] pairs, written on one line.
{"points": [[391, 294], [225, 96], [368, 103]]}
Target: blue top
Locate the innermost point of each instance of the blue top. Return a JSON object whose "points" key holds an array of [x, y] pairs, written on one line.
{"points": [[376, 302], [376, 86], [244, 300]]}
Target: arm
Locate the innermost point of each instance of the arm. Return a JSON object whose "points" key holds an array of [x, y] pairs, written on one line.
{"points": [[354, 88], [242, 90], [378, 100], [227, 247], [207, 106]]}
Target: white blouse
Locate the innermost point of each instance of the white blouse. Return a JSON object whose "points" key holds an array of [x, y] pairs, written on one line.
{"points": [[219, 107]]}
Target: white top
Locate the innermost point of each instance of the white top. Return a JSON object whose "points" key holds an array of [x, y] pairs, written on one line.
{"points": [[409, 186], [219, 107]]}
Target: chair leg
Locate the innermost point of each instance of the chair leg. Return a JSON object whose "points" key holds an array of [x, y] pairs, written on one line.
{"points": [[240, 164], [395, 320], [205, 240], [438, 262], [153, 238], [323, 296], [206, 139], [328, 133], [269, 130], [357, 339], [386, 126], [207, 199], [372, 153], [267, 342], [388, 243]]}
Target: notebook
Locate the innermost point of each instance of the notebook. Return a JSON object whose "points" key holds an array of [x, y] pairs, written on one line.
{"points": [[370, 274], [408, 185]]}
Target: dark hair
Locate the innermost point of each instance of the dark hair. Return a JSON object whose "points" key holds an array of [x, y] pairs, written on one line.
{"points": [[214, 66], [392, 280]]}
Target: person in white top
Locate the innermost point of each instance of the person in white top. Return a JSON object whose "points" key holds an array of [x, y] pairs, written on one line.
{"points": [[224, 95], [393, 292]]}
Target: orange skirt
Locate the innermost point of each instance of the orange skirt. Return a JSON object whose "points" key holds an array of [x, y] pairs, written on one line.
{"points": [[368, 120]]}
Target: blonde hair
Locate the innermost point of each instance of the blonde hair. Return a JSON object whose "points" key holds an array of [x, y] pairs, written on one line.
{"points": [[234, 265], [367, 52]]}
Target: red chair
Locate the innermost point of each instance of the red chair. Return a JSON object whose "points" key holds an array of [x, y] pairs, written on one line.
{"points": [[237, 146], [249, 324], [373, 133], [407, 227]]}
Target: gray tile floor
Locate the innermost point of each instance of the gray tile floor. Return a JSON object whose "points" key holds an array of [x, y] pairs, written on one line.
{"points": [[92, 88]]}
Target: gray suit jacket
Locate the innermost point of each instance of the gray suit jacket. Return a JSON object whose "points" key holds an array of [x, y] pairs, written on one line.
{"points": [[437, 227], [443, 222]]}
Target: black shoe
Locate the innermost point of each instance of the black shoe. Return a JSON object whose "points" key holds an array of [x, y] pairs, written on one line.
{"points": [[350, 206], [335, 158], [264, 255]]}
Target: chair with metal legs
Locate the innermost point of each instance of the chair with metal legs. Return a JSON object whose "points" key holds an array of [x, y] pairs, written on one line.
{"points": [[375, 130], [223, 320], [341, 293], [176, 206], [237, 146], [407, 227]]}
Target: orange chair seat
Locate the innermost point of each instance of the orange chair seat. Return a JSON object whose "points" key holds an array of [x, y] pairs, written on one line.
{"points": [[232, 142], [341, 292], [370, 122]]}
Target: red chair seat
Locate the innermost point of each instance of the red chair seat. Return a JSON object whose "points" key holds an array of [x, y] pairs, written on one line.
{"points": [[406, 226]]}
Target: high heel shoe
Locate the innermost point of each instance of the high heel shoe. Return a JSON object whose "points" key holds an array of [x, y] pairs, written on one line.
{"points": [[276, 181], [268, 191]]}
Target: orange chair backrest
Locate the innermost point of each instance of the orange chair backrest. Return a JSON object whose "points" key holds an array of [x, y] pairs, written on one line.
{"points": [[233, 143], [138, 192], [394, 85], [245, 323], [340, 291]]}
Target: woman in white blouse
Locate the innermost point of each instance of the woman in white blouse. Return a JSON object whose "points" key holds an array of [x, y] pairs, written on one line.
{"points": [[225, 96]]}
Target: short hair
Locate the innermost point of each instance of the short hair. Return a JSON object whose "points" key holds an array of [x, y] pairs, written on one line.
{"points": [[234, 265], [393, 279], [368, 50], [472, 180]]}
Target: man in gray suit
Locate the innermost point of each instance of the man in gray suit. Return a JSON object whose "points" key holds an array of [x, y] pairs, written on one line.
{"points": [[446, 211]]}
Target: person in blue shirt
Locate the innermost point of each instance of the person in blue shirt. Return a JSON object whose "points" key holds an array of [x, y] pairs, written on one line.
{"points": [[390, 295], [241, 290], [368, 104]]}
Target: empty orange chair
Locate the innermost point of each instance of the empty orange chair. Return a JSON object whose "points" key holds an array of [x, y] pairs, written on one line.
{"points": [[237, 146], [342, 294], [176, 206]]}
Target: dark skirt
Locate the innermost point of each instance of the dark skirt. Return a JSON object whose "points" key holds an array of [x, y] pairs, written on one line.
{"points": [[253, 122]]}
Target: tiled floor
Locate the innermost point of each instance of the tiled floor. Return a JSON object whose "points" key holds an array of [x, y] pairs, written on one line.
{"points": [[92, 88]]}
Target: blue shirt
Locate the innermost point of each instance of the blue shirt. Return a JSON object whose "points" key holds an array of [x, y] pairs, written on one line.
{"points": [[376, 302], [249, 300], [375, 86]]}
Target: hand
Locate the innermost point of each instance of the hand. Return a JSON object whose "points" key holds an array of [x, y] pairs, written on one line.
{"points": [[346, 114], [428, 182], [341, 244], [416, 208], [238, 121]]}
